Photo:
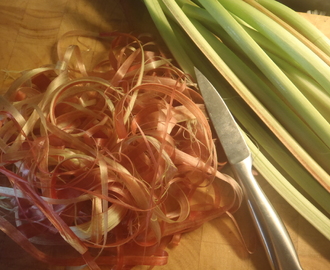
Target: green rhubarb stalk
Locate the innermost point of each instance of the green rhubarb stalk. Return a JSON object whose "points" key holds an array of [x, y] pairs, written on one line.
{"points": [[298, 22], [317, 68], [270, 100], [309, 87], [204, 17], [285, 87], [291, 29]]}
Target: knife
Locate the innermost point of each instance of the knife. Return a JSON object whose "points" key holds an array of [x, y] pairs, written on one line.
{"points": [[279, 248]]}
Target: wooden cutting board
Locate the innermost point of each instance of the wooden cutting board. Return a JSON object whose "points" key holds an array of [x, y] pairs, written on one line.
{"points": [[28, 32]]}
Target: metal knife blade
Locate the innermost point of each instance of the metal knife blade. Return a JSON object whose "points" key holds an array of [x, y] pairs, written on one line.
{"points": [[224, 124], [279, 248]]}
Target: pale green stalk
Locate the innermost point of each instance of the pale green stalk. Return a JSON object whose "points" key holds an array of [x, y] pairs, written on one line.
{"points": [[298, 22], [266, 44], [321, 54], [309, 87], [284, 86], [316, 67], [270, 100], [204, 17]]}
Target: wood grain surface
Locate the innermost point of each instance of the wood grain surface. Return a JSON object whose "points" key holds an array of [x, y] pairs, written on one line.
{"points": [[29, 30]]}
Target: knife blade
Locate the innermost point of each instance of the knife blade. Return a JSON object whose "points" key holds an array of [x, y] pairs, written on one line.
{"points": [[279, 248]]}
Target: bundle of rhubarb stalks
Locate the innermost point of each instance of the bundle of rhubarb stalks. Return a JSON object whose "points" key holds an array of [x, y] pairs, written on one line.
{"points": [[272, 67]]}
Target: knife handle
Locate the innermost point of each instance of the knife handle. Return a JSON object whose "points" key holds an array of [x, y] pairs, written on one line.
{"points": [[275, 238]]}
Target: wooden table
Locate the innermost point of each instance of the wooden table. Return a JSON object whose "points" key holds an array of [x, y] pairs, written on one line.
{"points": [[28, 32]]}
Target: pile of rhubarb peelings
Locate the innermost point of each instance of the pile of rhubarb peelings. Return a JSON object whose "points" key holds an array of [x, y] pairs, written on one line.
{"points": [[111, 164]]}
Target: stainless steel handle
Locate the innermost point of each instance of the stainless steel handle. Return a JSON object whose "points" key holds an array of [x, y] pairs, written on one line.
{"points": [[275, 238]]}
